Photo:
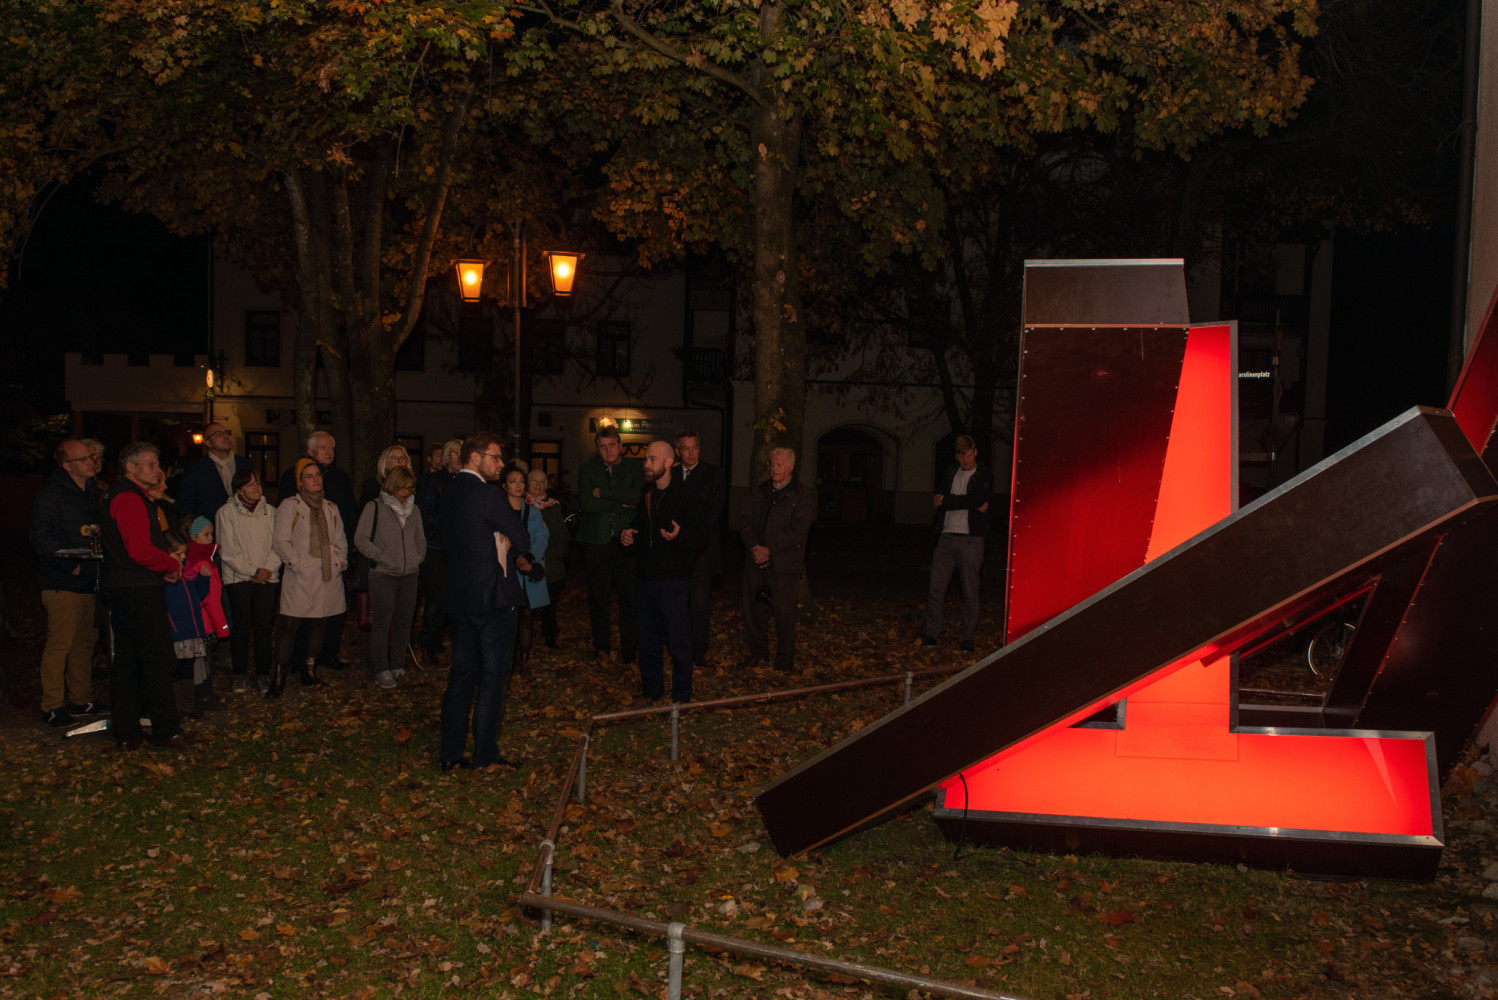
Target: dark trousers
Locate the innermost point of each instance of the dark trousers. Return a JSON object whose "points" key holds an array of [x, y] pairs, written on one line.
{"points": [[963, 555], [757, 614], [310, 630], [392, 606], [483, 652], [140, 676], [432, 584], [699, 607], [548, 614], [252, 611], [664, 619], [608, 566]]}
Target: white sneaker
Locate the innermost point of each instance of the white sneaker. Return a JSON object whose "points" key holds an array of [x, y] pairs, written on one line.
{"points": [[400, 673], [385, 679], [241, 683]]}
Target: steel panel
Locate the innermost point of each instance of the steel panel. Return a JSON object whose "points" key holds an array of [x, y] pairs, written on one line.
{"points": [[1091, 432], [1096, 293], [1212, 593]]}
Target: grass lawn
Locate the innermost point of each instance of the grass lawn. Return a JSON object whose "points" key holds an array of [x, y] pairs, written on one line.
{"points": [[311, 848]]}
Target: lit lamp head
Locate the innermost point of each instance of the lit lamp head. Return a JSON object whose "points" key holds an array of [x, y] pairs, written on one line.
{"points": [[470, 278], [563, 267], [197, 437]]}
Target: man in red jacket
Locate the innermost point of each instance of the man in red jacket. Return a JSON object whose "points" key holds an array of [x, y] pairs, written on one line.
{"points": [[136, 563]]}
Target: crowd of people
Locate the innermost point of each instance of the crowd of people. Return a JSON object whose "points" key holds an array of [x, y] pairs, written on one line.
{"points": [[476, 545]]}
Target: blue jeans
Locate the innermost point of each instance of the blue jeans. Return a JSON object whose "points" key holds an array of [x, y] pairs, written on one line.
{"points": [[483, 652], [664, 619]]}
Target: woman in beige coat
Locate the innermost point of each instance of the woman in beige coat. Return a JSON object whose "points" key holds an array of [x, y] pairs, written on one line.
{"points": [[314, 554]]}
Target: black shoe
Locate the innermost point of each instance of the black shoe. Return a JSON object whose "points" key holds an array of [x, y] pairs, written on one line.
{"points": [[130, 743], [751, 662], [206, 699], [309, 675], [551, 642], [177, 741], [641, 702], [91, 709], [967, 646], [58, 718], [928, 640], [335, 665], [626, 658], [461, 764]]}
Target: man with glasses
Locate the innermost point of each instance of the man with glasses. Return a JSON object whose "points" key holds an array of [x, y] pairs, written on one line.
{"points": [[65, 519], [481, 536], [207, 484]]}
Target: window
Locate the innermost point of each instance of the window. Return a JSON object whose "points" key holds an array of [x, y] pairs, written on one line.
{"points": [[263, 449], [548, 346], [262, 338], [547, 456], [613, 349], [412, 354]]}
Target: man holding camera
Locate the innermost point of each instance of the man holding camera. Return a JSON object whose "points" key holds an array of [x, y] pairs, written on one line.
{"points": [[775, 527]]}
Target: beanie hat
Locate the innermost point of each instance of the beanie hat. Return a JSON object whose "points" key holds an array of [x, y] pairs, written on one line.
{"points": [[198, 524]]}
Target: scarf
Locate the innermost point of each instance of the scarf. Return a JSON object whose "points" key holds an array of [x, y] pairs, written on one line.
{"points": [[318, 544], [542, 503], [402, 508], [248, 505], [198, 553]]}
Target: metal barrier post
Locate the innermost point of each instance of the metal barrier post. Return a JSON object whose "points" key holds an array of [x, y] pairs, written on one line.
{"points": [[582, 771], [909, 683], [550, 848], [678, 949], [675, 726]]}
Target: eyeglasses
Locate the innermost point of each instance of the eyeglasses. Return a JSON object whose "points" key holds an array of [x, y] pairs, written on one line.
{"points": [[85, 458], [497, 456]]}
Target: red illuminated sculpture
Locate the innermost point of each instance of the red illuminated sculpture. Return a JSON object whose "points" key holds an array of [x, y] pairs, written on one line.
{"points": [[1109, 722]]}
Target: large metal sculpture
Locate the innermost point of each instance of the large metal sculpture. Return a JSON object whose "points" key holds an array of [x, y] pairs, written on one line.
{"points": [[1179, 769]]}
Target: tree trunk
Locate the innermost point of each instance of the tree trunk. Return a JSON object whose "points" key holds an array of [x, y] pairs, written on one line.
{"points": [[779, 336]]}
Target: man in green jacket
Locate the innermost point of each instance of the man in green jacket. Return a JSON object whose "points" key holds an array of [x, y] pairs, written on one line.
{"points": [[609, 487]]}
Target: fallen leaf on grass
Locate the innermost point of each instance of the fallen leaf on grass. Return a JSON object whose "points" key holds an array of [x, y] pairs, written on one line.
{"points": [[748, 970], [1120, 917], [157, 966], [43, 918], [404, 734], [785, 873], [65, 895]]}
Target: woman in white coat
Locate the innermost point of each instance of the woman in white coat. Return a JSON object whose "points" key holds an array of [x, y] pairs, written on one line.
{"points": [[245, 529], [314, 554]]}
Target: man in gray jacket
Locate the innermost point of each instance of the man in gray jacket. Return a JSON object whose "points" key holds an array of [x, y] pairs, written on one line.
{"points": [[774, 531]]}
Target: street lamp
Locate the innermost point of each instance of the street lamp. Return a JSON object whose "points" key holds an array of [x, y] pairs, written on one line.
{"points": [[563, 267], [470, 277]]}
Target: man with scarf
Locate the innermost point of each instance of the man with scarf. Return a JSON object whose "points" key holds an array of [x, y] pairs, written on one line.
{"points": [[665, 538]]}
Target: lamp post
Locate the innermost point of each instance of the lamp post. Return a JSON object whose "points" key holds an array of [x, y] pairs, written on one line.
{"points": [[562, 264]]}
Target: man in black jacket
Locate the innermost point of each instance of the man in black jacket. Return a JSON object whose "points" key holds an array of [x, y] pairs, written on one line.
{"points": [[665, 538], [705, 482], [65, 517], [207, 485], [483, 595], [962, 523], [779, 518]]}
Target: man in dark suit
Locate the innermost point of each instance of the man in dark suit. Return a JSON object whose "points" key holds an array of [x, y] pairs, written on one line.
{"points": [[962, 526], [206, 486], [665, 539], [339, 488], [775, 527], [706, 484], [483, 594]]}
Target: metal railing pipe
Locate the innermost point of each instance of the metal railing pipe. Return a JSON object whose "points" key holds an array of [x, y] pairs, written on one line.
{"points": [[768, 952]]}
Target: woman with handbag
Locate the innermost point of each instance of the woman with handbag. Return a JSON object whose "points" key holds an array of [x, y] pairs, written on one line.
{"points": [[245, 528], [530, 564], [314, 553], [391, 541]]}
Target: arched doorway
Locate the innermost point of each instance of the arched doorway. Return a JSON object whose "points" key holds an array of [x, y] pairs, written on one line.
{"points": [[850, 477]]}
